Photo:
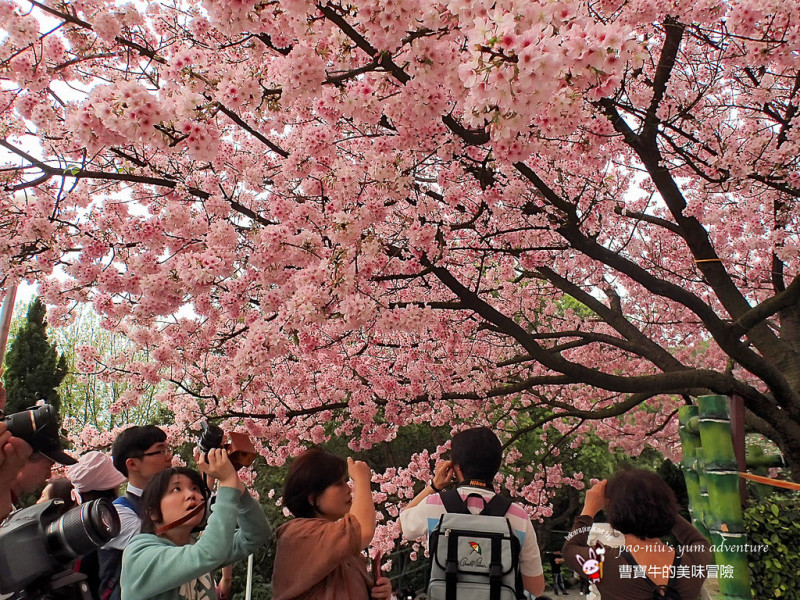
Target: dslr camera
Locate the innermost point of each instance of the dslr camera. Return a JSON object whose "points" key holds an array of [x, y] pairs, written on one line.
{"points": [[38, 543], [241, 451], [39, 427]]}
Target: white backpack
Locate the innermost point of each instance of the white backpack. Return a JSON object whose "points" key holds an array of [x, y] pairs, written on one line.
{"points": [[474, 557]]}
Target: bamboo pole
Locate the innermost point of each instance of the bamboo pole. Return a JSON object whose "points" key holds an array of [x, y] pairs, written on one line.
{"points": [[690, 444], [724, 518]]}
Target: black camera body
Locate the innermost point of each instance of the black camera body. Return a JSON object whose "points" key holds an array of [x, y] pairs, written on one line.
{"points": [[211, 436], [41, 540], [38, 426], [241, 451]]}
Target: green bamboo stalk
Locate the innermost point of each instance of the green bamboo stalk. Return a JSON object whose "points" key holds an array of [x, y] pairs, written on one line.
{"points": [[724, 518], [690, 443]]}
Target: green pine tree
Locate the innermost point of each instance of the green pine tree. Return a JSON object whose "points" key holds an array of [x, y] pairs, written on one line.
{"points": [[33, 366]]}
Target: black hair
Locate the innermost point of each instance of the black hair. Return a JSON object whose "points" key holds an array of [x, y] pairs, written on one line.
{"points": [[310, 473], [157, 488], [133, 442], [90, 495], [478, 452], [62, 489], [639, 502]]}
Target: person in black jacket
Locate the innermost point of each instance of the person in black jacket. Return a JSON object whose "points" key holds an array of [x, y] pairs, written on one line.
{"points": [[556, 560]]}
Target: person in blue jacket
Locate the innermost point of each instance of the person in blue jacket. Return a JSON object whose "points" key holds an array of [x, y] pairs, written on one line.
{"points": [[167, 561]]}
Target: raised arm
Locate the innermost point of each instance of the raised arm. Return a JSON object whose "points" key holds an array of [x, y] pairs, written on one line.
{"points": [[362, 508]]}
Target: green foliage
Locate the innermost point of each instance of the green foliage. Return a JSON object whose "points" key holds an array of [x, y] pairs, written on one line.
{"points": [[33, 367], [774, 523], [86, 398], [568, 303]]}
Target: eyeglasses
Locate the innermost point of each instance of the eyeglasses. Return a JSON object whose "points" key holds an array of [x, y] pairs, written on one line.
{"points": [[167, 451]]}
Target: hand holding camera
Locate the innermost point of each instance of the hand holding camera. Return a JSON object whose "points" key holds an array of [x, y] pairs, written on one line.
{"points": [[240, 449], [215, 463], [14, 452], [40, 428]]}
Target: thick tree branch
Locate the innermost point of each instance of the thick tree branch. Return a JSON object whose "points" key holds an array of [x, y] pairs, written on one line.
{"points": [[644, 346], [669, 52], [788, 298]]}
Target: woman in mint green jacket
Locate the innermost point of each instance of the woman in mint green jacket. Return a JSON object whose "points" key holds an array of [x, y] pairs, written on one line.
{"points": [[166, 562]]}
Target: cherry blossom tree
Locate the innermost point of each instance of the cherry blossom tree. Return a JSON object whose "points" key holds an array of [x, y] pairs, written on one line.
{"points": [[328, 218]]}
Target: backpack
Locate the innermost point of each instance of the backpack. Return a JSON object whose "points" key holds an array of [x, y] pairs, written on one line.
{"points": [[474, 557]]}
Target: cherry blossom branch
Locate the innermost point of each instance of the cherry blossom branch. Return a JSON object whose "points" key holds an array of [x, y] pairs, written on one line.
{"points": [[789, 298], [643, 344], [706, 258], [252, 131], [673, 382], [640, 216], [568, 411], [474, 137], [49, 172]]}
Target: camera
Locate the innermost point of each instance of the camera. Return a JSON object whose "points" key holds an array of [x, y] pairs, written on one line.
{"points": [[40, 541], [39, 427], [241, 451]]}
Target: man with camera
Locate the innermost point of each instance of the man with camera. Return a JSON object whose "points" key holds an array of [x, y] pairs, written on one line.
{"points": [[29, 446], [51, 537], [139, 453]]}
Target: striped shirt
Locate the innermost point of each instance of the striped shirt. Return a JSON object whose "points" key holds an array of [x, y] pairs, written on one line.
{"points": [[418, 521]]}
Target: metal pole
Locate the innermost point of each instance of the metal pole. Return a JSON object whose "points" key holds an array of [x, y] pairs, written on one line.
{"points": [[248, 591], [737, 434], [5, 325], [5, 320]]}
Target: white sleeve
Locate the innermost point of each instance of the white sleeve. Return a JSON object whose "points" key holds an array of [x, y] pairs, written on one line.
{"points": [[414, 522], [530, 561], [130, 525]]}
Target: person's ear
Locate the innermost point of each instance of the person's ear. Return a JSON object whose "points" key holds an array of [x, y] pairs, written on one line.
{"points": [[132, 464], [458, 472]]}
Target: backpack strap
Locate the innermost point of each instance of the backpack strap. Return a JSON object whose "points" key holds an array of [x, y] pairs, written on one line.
{"points": [[451, 568], [453, 503], [496, 569], [498, 506], [111, 559], [130, 501]]}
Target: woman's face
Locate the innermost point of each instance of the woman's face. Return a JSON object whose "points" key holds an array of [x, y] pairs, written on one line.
{"points": [[182, 496], [335, 500]]}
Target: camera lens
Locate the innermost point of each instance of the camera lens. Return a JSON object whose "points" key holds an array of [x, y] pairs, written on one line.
{"points": [[25, 424], [211, 437], [83, 529]]}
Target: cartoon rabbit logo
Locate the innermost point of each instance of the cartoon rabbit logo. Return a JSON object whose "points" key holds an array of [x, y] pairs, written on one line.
{"points": [[590, 566]]}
